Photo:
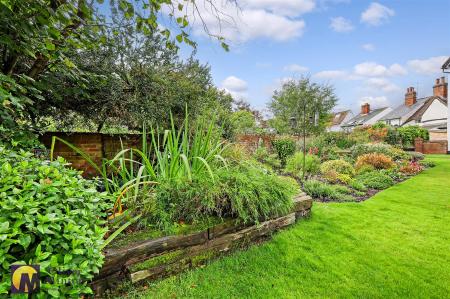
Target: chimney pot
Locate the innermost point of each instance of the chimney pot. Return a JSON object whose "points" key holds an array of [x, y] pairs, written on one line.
{"points": [[440, 89], [365, 108], [410, 96]]}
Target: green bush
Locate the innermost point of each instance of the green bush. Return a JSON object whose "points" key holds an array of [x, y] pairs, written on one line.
{"points": [[319, 190], [262, 155], [416, 156], [340, 139], [357, 185], [251, 194], [284, 147], [375, 179], [407, 134], [339, 166], [246, 191], [427, 163], [51, 216], [294, 164]]}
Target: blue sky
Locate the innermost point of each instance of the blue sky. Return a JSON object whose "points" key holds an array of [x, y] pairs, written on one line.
{"points": [[370, 51]]}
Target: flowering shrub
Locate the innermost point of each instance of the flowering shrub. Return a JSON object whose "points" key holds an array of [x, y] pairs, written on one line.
{"points": [[378, 161], [380, 148], [313, 151], [377, 134], [411, 168]]}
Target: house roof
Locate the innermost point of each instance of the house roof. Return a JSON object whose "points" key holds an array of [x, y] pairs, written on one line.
{"points": [[417, 115], [338, 117], [361, 119], [404, 110], [446, 64]]}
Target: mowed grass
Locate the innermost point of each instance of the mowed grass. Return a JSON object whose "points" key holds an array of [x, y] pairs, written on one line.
{"points": [[394, 245]]}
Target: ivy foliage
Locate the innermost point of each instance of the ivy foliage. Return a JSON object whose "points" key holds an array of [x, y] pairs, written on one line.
{"points": [[407, 134]]}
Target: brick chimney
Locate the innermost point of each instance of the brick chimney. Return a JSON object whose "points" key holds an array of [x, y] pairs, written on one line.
{"points": [[440, 88], [410, 96], [365, 108]]}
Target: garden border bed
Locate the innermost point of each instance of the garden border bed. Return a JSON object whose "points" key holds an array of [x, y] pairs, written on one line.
{"points": [[174, 254]]}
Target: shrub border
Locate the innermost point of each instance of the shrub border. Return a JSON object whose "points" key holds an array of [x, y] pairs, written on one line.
{"points": [[198, 248]]}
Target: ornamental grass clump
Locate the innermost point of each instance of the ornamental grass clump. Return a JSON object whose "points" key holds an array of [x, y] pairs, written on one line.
{"points": [[53, 217], [375, 160]]}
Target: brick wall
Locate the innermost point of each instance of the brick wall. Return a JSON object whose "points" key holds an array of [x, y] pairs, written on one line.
{"points": [[99, 146], [96, 145], [252, 142], [430, 147]]}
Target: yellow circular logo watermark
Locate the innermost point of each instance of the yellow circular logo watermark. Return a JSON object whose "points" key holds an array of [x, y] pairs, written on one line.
{"points": [[25, 278]]}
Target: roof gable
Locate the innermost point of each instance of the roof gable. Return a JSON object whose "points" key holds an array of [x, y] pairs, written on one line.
{"points": [[361, 119], [403, 110], [417, 115], [339, 117]]}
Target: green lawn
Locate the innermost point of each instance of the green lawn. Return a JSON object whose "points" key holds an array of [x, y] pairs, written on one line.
{"points": [[394, 245]]}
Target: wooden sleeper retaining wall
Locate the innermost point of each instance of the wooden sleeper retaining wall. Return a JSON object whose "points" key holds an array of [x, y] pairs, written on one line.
{"points": [[162, 257]]}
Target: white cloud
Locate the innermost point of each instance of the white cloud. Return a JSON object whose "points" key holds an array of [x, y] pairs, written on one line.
{"points": [[235, 86], [290, 8], [382, 84], [362, 71], [331, 74], [295, 68], [397, 70], [270, 19], [428, 66], [372, 69], [376, 14], [341, 24], [375, 102], [368, 47]]}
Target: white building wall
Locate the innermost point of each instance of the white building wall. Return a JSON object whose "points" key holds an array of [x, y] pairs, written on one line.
{"points": [[436, 111]]}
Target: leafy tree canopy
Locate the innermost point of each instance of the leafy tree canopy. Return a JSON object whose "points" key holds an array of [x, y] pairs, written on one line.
{"points": [[302, 105], [41, 40]]}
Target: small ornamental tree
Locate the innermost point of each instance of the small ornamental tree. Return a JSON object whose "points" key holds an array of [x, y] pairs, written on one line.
{"points": [[302, 106]]}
